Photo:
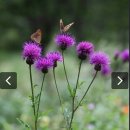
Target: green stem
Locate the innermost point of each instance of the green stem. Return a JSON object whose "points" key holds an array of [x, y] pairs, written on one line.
{"points": [[77, 78], [86, 91], [39, 99], [73, 99], [32, 97], [59, 94], [65, 71]]}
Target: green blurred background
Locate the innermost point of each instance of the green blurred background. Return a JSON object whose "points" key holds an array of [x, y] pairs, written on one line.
{"points": [[105, 23], [94, 20]]}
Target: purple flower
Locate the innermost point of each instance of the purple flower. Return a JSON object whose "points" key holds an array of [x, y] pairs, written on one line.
{"points": [[43, 64], [106, 70], [84, 49], [55, 57], [64, 40], [91, 106], [31, 52], [125, 55], [91, 127], [99, 59], [116, 54]]}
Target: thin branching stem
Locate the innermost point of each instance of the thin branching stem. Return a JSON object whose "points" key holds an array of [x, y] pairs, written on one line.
{"points": [[73, 98], [65, 70], [39, 99], [32, 96], [61, 104], [86, 91], [77, 78]]}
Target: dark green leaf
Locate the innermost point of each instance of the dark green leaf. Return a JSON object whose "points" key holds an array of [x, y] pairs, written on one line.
{"points": [[24, 124]]}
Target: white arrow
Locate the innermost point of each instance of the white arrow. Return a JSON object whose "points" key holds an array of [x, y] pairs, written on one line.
{"points": [[8, 81], [120, 80]]}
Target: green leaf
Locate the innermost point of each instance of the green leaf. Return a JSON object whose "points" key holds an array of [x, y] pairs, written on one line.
{"points": [[46, 112], [70, 90], [24, 124], [37, 98], [30, 98], [35, 85], [80, 84]]}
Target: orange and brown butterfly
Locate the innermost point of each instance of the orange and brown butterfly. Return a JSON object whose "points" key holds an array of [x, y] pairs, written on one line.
{"points": [[37, 36], [64, 28]]}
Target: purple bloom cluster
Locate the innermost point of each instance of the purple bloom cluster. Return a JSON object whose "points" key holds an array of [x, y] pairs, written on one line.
{"points": [[100, 60], [125, 55], [55, 57], [43, 64], [106, 70], [64, 40], [84, 49], [31, 52]]}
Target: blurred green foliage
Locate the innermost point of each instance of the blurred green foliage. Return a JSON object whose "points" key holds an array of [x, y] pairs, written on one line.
{"points": [[94, 20]]}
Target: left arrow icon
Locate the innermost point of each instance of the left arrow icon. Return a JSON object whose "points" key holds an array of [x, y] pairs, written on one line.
{"points": [[7, 80]]}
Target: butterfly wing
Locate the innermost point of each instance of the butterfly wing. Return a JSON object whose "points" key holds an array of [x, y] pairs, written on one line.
{"points": [[37, 36], [67, 27], [61, 25]]}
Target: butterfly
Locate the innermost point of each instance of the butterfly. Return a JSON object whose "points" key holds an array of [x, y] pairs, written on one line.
{"points": [[65, 28], [37, 36]]}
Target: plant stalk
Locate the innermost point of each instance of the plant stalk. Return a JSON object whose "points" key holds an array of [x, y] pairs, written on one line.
{"points": [[32, 96], [39, 99], [86, 91], [61, 104], [73, 98], [65, 71]]}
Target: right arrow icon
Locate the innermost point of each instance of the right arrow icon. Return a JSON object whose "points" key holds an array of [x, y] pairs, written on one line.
{"points": [[120, 80]]}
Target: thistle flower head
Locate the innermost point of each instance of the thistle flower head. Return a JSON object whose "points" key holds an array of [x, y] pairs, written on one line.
{"points": [[99, 59], [55, 57], [31, 52], [106, 70], [125, 55], [43, 64], [64, 40], [84, 49]]}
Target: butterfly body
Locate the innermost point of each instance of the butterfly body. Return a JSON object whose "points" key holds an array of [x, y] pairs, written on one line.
{"points": [[63, 28]]}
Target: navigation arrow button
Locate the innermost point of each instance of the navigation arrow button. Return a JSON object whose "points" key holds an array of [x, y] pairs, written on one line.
{"points": [[120, 80], [7, 80]]}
